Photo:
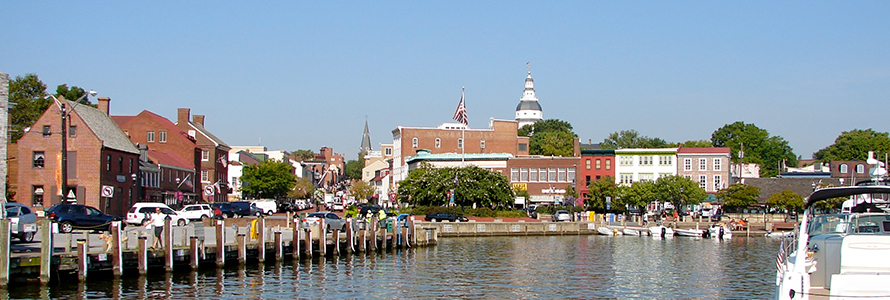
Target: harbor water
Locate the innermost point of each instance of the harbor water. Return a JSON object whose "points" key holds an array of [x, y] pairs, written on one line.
{"points": [[528, 267]]}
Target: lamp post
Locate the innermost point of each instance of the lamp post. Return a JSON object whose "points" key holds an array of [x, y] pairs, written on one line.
{"points": [[63, 110]]}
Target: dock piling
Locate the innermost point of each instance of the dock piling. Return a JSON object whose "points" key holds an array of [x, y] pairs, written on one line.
{"points": [[82, 258]]}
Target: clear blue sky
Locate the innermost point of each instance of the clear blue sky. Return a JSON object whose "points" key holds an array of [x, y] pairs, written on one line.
{"points": [[302, 75]]}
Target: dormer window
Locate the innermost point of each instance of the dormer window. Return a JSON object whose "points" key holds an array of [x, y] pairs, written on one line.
{"points": [[38, 159]]}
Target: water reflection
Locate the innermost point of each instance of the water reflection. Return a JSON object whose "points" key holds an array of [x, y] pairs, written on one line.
{"points": [[471, 268]]}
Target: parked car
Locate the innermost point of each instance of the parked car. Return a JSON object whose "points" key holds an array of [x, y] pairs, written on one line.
{"points": [[76, 216], [196, 212], [444, 216], [338, 206], [373, 209], [717, 217], [140, 212], [531, 211], [286, 206], [267, 207], [561, 216], [22, 221], [236, 209], [331, 220]]}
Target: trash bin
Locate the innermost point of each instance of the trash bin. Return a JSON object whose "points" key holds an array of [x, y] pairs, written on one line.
{"points": [[388, 225]]}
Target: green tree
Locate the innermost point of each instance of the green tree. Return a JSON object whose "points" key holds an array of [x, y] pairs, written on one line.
{"points": [[598, 190], [269, 179], [28, 95], [757, 145], [638, 194], [472, 185], [354, 168], [679, 190], [361, 190], [739, 195], [854, 145], [545, 126], [74, 93], [552, 143], [632, 139], [787, 200], [303, 188], [697, 144], [303, 154]]}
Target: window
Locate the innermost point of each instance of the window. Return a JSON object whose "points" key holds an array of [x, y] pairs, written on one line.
{"points": [[843, 169], [460, 143], [38, 159], [665, 160], [438, 143], [47, 130], [120, 164], [562, 175], [162, 136], [646, 160], [482, 144], [514, 174], [626, 160], [625, 178], [718, 164], [533, 174], [388, 151], [131, 166], [587, 164], [205, 176], [718, 181], [205, 155], [587, 180], [523, 174], [703, 181], [72, 131], [414, 143], [608, 164], [860, 168], [647, 177], [37, 198], [702, 164], [552, 175], [108, 162], [570, 172], [523, 147], [687, 164], [150, 137]]}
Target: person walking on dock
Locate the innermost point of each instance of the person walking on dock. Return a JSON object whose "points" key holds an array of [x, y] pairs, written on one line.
{"points": [[156, 221]]}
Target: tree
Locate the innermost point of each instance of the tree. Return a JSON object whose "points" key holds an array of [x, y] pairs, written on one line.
{"points": [[303, 188], [361, 190], [757, 145], [28, 95], [739, 195], [854, 145], [74, 93], [632, 139], [303, 154], [697, 144], [637, 194], [472, 185], [552, 143], [786, 200], [598, 190], [354, 168], [679, 190], [545, 126], [269, 179]]}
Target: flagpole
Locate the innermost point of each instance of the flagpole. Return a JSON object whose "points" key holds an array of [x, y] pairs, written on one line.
{"points": [[463, 130]]}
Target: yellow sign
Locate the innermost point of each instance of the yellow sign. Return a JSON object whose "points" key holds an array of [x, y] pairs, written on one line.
{"points": [[520, 186]]}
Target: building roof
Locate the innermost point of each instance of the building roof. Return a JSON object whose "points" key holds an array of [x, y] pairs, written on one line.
{"points": [[165, 158], [528, 105], [104, 127], [425, 155], [703, 150], [200, 128]]}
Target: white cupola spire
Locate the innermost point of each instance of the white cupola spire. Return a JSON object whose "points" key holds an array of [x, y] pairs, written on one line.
{"points": [[529, 110]]}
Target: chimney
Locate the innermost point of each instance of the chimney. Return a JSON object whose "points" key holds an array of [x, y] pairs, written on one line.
{"points": [[103, 104], [182, 116], [199, 119]]}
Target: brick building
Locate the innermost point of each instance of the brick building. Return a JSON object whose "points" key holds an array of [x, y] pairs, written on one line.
{"points": [[709, 166], [214, 156], [546, 178], [102, 162], [595, 164]]}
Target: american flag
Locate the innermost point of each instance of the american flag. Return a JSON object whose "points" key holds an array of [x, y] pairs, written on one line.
{"points": [[780, 258], [460, 114]]}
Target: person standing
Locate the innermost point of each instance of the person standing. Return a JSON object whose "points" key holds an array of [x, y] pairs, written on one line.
{"points": [[156, 222]]}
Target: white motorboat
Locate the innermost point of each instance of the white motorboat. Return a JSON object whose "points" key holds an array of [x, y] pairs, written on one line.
{"points": [[719, 231], [689, 232], [779, 234], [659, 230], [634, 232], [838, 255], [608, 231]]}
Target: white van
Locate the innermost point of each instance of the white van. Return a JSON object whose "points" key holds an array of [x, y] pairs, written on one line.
{"points": [[140, 211], [267, 206]]}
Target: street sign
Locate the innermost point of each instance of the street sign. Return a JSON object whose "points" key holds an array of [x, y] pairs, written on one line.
{"points": [[107, 191], [208, 190]]}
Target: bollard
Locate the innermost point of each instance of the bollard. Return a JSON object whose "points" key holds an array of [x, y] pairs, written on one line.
{"points": [[193, 250], [261, 239], [117, 260], [242, 248], [279, 252], [142, 255], [46, 249], [168, 245], [4, 252], [220, 243], [82, 258]]}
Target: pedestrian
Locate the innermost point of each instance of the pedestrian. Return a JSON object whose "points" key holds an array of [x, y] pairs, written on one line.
{"points": [[156, 222]]}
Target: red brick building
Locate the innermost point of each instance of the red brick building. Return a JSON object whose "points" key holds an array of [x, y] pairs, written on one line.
{"points": [[214, 156], [546, 178], [595, 164], [102, 162], [328, 167]]}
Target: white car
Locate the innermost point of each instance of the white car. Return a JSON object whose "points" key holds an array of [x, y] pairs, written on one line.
{"points": [[196, 212], [268, 207], [22, 221], [140, 211]]}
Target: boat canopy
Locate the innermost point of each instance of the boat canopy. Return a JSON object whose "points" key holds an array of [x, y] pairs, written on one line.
{"points": [[835, 192]]}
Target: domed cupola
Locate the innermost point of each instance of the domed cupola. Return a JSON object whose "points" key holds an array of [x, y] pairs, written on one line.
{"points": [[529, 110]]}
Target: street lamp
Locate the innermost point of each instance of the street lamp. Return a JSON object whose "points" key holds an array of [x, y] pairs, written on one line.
{"points": [[63, 110]]}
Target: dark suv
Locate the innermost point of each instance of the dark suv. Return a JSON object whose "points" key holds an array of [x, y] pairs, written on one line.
{"points": [[76, 216], [235, 209]]}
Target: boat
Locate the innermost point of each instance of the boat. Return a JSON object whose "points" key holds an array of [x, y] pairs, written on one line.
{"points": [[841, 255], [634, 232], [689, 232], [720, 231], [608, 231], [779, 234], [661, 231]]}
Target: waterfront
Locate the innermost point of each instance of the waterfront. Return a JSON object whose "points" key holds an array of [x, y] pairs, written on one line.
{"points": [[482, 267]]}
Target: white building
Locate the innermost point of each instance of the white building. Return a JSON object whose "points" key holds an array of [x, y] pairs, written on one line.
{"points": [[644, 164], [529, 110]]}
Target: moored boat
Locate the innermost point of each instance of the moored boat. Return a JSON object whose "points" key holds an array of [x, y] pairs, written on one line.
{"points": [[634, 232], [719, 231], [603, 230], [689, 232], [661, 231]]}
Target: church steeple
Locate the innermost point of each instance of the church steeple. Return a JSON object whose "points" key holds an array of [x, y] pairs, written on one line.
{"points": [[529, 110], [366, 140]]}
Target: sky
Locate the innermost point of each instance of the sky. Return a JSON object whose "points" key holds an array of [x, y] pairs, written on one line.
{"points": [[295, 75]]}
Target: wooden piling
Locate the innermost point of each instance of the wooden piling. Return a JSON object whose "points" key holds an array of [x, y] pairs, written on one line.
{"points": [[242, 248], [117, 259], [403, 238], [261, 239], [142, 255], [362, 244], [194, 256], [4, 252], [46, 249], [373, 243], [335, 236], [168, 245], [295, 239], [82, 258], [279, 247], [322, 235], [307, 243], [350, 237], [220, 243]]}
